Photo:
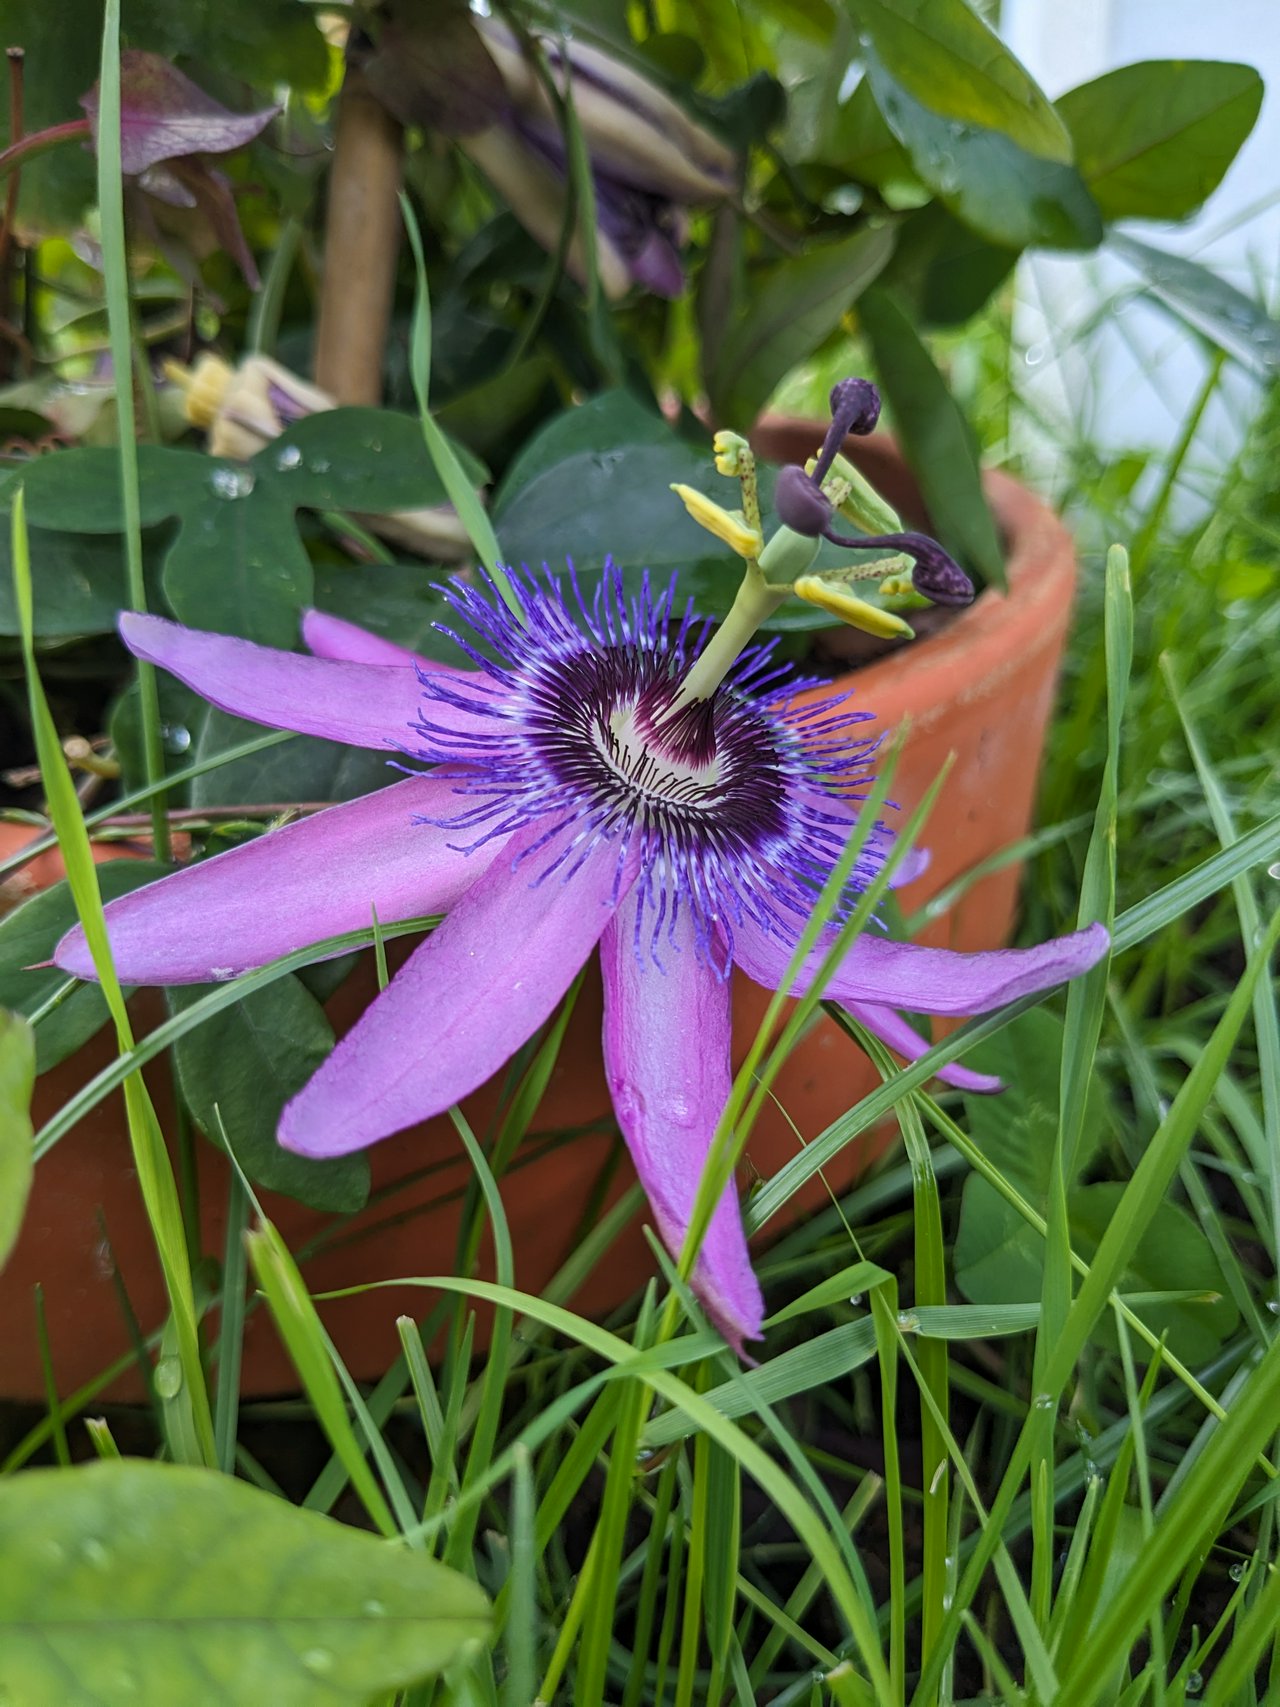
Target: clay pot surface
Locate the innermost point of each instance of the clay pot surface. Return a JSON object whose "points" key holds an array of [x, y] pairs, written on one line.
{"points": [[981, 689]]}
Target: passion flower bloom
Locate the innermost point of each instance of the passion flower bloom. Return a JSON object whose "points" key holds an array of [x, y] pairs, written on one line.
{"points": [[573, 801]]}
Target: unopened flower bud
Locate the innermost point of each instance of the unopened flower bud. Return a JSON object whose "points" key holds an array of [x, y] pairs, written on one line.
{"points": [[856, 403], [938, 577], [800, 502]]}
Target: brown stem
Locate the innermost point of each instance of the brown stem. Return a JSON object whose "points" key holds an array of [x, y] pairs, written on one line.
{"points": [[39, 142], [362, 237], [15, 57]]}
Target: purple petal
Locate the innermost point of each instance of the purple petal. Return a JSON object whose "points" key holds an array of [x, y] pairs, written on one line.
{"points": [[462, 1003], [312, 879], [925, 980], [892, 1029], [361, 705], [332, 637], [666, 1054], [164, 115]]}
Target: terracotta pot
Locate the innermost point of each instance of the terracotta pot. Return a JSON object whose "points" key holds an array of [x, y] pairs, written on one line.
{"points": [[982, 689]]}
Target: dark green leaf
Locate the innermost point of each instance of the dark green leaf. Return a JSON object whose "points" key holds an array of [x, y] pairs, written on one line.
{"points": [[944, 55], [790, 312], [238, 1070], [79, 491], [1012, 197], [856, 138], [1198, 297], [1153, 140], [396, 600], [29, 936], [164, 1584], [238, 566], [295, 771], [935, 437], [1017, 1129], [78, 583], [943, 268], [356, 459], [17, 1164], [605, 422]]}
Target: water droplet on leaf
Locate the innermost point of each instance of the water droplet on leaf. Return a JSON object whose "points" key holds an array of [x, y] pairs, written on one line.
{"points": [[318, 1661], [1236, 1573], [232, 482], [168, 1377], [287, 457]]}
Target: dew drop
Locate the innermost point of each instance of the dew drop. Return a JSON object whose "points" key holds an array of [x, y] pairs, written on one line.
{"points": [[94, 1553], [232, 482], [1195, 1683], [1273, 1304], [1043, 1402], [175, 737], [1035, 354], [1236, 1573], [287, 457], [319, 465], [908, 1321], [856, 1299], [1274, 870], [375, 1609], [318, 1661], [168, 1377]]}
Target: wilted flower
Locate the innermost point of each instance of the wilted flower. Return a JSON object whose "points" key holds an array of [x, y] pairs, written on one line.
{"points": [[579, 798], [242, 408], [167, 126], [471, 77]]}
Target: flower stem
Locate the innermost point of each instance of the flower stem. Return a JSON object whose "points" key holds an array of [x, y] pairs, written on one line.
{"points": [[756, 602]]}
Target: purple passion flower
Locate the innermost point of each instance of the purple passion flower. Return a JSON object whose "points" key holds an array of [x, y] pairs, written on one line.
{"points": [[572, 803]]}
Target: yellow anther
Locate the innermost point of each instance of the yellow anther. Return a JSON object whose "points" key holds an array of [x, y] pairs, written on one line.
{"points": [[829, 596], [733, 454], [204, 387], [728, 525]]}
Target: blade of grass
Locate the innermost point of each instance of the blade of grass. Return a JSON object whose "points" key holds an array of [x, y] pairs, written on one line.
{"points": [[151, 1159], [115, 273]]}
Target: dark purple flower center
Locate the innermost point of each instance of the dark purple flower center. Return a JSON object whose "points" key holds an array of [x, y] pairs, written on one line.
{"points": [[734, 806]]}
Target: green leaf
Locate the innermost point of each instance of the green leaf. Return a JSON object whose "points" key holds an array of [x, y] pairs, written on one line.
{"points": [[999, 1260], [943, 268], [79, 584], [237, 565], [17, 1159], [29, 936], [856, 138], [935, 436], [1017, 1129], [397, 601], [608, 421], [300, 770], [1198, 297], [151, 1584], [1153, 140], [367, 460], [1012, 197], [238, 1070], [941, 53], [798, 304]]}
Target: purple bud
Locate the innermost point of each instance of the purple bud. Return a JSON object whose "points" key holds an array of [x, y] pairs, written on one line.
{"points": [[857, 403], [855, 408], [935, 576], [800, 502]]}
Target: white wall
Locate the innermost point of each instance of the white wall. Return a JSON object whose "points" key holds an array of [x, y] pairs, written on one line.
{"points": [[1114, 369]]}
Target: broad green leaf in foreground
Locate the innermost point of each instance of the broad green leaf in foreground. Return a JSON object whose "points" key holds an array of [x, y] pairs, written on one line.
{"points": [[947, 57], [1010, 196], [17, 1159], [1154, 140], [154, 1584]]}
